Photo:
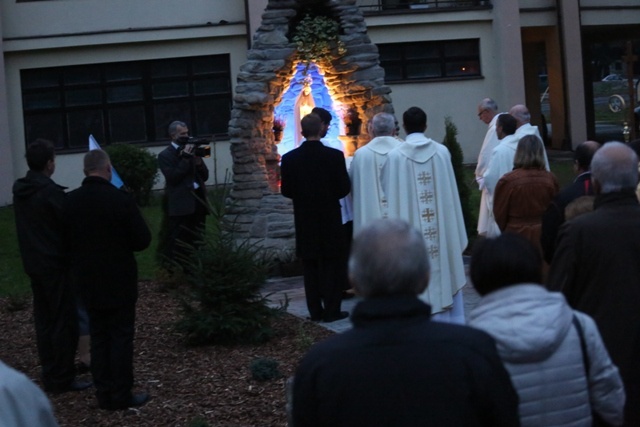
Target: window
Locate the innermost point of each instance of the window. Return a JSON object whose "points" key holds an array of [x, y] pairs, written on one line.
{"points": [[127, 102], [420, 61]]}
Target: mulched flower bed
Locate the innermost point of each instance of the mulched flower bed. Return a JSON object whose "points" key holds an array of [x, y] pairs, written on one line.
{"points": [[187, 385]]}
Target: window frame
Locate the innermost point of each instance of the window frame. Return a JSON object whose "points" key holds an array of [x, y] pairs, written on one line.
{"points": [[206, 84], [404, 63]]}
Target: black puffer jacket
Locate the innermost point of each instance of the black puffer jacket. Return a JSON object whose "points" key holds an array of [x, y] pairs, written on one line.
{"points": [[38, 202]]}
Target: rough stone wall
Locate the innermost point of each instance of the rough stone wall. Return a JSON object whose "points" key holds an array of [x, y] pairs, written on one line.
{"points": [[258, 210]]}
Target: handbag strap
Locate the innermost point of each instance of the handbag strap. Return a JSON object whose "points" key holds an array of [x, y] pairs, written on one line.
{"points": [[583, 346]]}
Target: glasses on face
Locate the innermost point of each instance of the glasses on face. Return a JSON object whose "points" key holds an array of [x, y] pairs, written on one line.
{"points": [[482, 112]]}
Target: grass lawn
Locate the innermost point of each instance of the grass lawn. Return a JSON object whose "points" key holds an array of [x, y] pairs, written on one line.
{"points": [[13, 280]]}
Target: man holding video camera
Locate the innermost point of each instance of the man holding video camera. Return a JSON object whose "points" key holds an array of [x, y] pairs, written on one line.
{"points": [[185, 194]]}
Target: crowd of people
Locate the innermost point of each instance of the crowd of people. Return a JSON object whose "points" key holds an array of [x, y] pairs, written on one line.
{"points": [[555, 337], [553, 341]]}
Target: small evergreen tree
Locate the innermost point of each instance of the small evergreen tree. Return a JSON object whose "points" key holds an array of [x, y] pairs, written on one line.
{"points": [[137, 167], [457, 157]]}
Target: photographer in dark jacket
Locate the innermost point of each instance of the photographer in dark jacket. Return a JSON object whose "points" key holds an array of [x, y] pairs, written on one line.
{"points": [[104, 229], [38, 205], [185, 194]]}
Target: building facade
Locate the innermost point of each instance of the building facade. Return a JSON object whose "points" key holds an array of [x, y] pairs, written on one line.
{"points": [[123, 69]]}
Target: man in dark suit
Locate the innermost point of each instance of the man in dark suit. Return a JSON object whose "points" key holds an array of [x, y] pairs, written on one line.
{"points": [[397, 367], [596, 264], [104, 227], [316, 178], [554, 217], [185, 193], [38, 204]]}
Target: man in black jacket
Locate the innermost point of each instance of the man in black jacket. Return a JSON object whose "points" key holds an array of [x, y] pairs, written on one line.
{"points": [[554, 217], [104, 229], [316, 178], [396, 367], [38, 203], [185, 175]]}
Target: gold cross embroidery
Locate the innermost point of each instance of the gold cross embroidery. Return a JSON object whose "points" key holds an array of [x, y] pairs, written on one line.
{"points": [[433, 251], [424, 178], [431, 233], [426, 196], [428, 214]]}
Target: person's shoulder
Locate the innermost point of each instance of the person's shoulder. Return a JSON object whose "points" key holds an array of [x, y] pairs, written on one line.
{"points": [[463, 338]]}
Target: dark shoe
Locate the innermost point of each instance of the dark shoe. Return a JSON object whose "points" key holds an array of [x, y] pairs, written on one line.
{"points": [[134, 401], [339, 316], [76, 385], [82, 368]]}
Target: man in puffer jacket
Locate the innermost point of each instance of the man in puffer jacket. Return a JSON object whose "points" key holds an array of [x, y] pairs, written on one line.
{"points": [[539, 342]]}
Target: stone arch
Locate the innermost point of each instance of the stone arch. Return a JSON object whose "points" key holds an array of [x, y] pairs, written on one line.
{"points": [[260, 213]]}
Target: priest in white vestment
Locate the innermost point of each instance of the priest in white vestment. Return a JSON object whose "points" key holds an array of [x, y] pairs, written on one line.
{"points": [[368, 198], [501, 162], [487, 113], [420, 188], [523, 117]]}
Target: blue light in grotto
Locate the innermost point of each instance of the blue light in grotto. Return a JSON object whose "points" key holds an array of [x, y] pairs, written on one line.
{"points": [[321, 98]]}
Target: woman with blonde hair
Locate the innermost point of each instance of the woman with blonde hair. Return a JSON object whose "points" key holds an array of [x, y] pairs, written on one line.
{"points": [[523, 195]]}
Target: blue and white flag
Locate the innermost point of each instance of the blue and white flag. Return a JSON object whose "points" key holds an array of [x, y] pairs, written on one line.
{"points": [[115, 178]]}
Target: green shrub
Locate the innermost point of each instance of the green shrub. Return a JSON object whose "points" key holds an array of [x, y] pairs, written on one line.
{"points": [[264, 369], [221, 301], [457, 158], [137, 167]]}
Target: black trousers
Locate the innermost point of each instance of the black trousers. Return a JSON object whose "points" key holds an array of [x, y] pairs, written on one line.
{"points": [[112, 333], [184, 229], [56, 323], [322, 286]]}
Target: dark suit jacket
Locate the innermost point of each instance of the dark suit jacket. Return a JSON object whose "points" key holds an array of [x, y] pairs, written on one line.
{"points": [[596, 267], [180, 174], [103, 229], [398, 368], [316, 178], [553, 217]]}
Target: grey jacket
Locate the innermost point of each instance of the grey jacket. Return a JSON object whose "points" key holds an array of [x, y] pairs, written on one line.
{"points": [[540, 348]]}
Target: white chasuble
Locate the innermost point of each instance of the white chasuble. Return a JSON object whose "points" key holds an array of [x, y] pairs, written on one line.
{"points": [[420, 188], [369, 202]]}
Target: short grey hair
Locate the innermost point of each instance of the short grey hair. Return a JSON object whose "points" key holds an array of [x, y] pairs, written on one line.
{"points": [[488, 104], [389, 257], [96, 161], [615, 167], [383, 124], [173, 127]]}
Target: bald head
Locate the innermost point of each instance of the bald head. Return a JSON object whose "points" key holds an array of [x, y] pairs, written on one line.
{"points": [[614, 168], [521, 114]]}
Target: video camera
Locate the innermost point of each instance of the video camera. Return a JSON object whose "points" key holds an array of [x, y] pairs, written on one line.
{"points": [[202, 145]]}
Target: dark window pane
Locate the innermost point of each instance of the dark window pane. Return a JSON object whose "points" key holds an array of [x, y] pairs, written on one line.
{"points": [[40, 78], [463, 68], [389, 52], [212, 116], [84, 123], [392, 72], [423, 71], [125, 93], [210, 64], [123, 71], [420, 51], [169, 68], [170, 90], [461, 48], [82, 75], [164, 114], [47, 126], [127, 124], [83, 97], [211, 86], [38, 100]]}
